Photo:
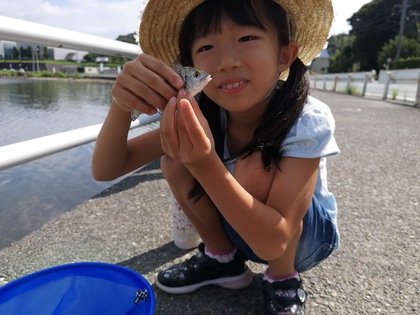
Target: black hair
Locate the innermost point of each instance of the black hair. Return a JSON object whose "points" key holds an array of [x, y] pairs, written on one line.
{"points": [[287, 102]]}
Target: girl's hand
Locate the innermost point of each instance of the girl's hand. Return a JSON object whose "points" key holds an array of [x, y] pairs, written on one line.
{"points": [[185, 133], [145, 84]]}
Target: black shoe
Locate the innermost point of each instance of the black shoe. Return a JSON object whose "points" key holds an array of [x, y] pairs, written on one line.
{"points": [[201, 270], [284, 297]]}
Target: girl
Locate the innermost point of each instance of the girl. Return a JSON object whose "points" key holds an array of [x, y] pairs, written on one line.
{"points": [[246, 163]]}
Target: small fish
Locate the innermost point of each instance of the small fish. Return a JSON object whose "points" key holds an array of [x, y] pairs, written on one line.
{"points": [[194, 81]]}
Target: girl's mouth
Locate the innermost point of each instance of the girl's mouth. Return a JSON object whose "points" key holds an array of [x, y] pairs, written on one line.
{"points": [[232, 86]]}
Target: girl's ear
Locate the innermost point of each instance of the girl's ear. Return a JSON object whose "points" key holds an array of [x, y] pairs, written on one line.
{"points": [[288, 54]]}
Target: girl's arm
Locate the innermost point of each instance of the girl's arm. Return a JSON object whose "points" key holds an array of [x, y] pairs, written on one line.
{"points": [[145, 84], [113, 155], [267, 223], [267, 226]]}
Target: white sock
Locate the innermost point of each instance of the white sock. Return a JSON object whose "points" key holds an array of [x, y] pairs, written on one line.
{"points": [[270, 279], [224, 257]]}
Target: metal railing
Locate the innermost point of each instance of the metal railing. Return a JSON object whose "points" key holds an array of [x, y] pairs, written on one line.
{"points": [[26, 151], [32, 33], [363, 84]]}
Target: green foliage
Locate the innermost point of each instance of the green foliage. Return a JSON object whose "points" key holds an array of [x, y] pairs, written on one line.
{"points": [[409, 63], [410, 49], [129, 38], [39, 74], [351, 90], [15, 53], [340, 51], [46, 53], [375, 24], [9, 73]]}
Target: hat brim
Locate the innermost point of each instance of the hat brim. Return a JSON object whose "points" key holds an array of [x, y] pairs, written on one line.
{"points": [[162, 20]]}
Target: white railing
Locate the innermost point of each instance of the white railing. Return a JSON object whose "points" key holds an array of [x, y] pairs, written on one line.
{"points": [[32, 33], [26, 151], [363, 84]]}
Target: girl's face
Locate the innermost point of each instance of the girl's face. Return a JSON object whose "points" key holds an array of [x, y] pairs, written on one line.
{"points": [[244, 62]]}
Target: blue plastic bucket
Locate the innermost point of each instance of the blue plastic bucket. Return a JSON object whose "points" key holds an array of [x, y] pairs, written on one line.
{"points": [[86, 288]]}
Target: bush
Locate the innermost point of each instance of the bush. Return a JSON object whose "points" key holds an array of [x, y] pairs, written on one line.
{"points": [[410, 49], [39, 74], [409, 63], [11, 73]]}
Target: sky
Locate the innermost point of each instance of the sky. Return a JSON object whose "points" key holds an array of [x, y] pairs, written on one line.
{"points": [[110, 18]]}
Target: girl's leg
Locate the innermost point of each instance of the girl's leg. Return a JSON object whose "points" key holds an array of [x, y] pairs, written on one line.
{"points": [[217, 261], [183, 231], [202, 214], [283, 266], [282, 286]]}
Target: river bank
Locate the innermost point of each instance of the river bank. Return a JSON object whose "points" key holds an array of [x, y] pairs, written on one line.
{"points": [[13, 74]]}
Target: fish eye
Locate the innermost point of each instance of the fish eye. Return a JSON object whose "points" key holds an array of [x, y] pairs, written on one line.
{"points": [[196, 74]]}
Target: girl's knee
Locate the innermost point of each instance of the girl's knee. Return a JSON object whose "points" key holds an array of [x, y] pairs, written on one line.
{"points": [[174, 171], [169, 167]]}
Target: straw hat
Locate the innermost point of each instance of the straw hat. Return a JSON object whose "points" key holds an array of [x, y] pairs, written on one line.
{"points": [[162, 19]]}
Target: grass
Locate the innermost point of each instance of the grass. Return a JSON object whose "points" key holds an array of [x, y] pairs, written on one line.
{"points": [[351, 90], [39, 74], [63, 62]]}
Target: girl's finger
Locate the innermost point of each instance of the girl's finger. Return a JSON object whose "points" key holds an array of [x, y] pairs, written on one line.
{"points": [[169, 133], [162, 70], [195, 134], [158, 77], [128, 100], [197, 110], [202, 120], [150, 81]]}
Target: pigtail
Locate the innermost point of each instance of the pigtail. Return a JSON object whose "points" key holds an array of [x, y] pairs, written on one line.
{"points": [[280, 115]]}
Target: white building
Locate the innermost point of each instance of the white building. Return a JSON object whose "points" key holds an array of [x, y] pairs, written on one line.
{"points": [[68, 54], [13, 50], [6, 49], [321, 63]]}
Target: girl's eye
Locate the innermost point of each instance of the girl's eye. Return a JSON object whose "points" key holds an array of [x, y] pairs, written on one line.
{"points": [[204, 48], [247, 38]]}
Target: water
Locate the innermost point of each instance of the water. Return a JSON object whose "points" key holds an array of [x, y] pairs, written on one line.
{"points": [[37, 192]]}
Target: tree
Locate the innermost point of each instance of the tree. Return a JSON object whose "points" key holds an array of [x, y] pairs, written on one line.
{"points": [[46, 53], [23, 53], [375, 24], [410, 48], [15, 53], [341, 53], [129, 38], [90, 57], [29, 52]]}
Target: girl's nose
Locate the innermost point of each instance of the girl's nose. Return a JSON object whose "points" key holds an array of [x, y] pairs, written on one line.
{"points": [[228, 63]]}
